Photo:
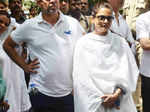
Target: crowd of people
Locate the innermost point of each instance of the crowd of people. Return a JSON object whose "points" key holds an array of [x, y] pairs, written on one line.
{"points": [[71, 56]]}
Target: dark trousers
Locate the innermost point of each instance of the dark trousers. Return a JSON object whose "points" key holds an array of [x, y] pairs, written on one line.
{"points": [[145, 91], [44, 103]]}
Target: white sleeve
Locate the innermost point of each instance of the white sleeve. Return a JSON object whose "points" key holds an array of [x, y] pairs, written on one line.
{"points": [[21, 33], [80, 28], [130, 36], [141, 29]]}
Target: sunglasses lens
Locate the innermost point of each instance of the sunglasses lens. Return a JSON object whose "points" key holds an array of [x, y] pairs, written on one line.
{"points": [[101, 17]]}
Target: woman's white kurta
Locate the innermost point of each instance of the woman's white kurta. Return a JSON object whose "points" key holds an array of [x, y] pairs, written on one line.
{"points": [[101, 63], [16, 92]]}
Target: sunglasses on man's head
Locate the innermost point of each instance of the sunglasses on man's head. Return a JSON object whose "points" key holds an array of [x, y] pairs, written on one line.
{"points": [[102, 17]]}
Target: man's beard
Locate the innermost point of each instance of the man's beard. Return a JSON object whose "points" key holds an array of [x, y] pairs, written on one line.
{"points": [[50, 10], [16, 9], [75, 13], [84, 11]]}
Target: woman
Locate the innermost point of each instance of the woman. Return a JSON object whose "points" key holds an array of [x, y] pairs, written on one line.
{"points": [[105, 72], [4, 23], [16, 92]]}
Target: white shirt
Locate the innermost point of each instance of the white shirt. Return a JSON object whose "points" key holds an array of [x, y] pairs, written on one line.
{"points": [[14, 23], [143, 31], [100, 64], [53, 46], [123, 30], [16, 92]]}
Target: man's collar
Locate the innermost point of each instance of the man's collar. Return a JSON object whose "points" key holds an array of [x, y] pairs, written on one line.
{"points": [[41, 20], [119, 15]]}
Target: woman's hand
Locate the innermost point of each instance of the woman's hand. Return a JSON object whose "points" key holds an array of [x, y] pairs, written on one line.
{"points": [[4, 106], [109, 101]]}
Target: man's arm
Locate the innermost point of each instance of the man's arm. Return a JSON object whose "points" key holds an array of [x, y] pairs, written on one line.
{"points": [[142, 32], [9, 47], [145, 43]]}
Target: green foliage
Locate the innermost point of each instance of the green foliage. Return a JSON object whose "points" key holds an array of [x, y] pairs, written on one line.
{"points": [[27, 4]]}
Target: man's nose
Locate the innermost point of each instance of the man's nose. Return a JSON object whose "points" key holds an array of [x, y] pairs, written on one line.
{"points": [[17, 3]]}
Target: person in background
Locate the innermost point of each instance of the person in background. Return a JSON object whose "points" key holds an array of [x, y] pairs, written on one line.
{"points": [[16, 11], [17, 18], [85, 9], [16, 93], [4, 22], [104, 70], [3, 104], [85, 17], [34, 11], [119, 25], [131, 10], [143, 36], [74, 9], [64, 6]]}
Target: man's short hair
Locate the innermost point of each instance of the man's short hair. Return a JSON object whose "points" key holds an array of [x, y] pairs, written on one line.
{"points": [[10, 1], [68, 1]]}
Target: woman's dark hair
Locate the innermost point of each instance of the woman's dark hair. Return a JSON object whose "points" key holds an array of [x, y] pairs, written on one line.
{"points": [[3, 2], [101, 5], [2, 12]]}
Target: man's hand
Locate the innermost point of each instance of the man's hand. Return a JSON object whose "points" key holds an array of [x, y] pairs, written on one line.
{"points": [[30, 68]]}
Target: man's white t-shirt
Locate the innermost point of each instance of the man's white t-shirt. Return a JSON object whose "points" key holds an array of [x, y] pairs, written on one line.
{"points": [[143, 31], [53, 46]]}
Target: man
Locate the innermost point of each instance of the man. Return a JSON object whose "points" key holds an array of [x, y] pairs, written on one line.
{"points": [[75, 11], [17, 18], [119, 25], [143, 36], [85, 9], [104, 70], [64, 6], [85, 18], [132, 9], [17, 13], [50, 38]]}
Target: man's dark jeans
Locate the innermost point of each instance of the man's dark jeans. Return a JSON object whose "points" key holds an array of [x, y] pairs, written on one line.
{"points": [[145, 91], [44, 103]]}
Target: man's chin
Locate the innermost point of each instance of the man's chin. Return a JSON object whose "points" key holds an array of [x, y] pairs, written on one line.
{"points": [[50, 12], [102, 30]]}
